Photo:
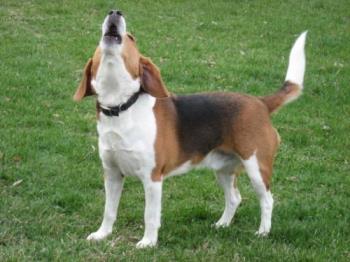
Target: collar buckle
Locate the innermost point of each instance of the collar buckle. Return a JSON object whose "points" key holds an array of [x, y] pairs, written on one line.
{"points": [[114, 111]]}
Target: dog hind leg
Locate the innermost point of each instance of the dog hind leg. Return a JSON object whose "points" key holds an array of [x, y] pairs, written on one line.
{"points": [[232, 197], [264, 194]]}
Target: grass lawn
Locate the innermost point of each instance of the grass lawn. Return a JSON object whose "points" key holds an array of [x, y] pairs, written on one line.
{"points": [[51, 187]]}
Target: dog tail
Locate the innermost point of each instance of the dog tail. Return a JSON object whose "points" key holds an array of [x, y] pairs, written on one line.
{"points": [[293, 84]]}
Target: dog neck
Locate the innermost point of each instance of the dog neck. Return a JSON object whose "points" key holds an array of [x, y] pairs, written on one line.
{"points": [[116, 110], [113, 84]]}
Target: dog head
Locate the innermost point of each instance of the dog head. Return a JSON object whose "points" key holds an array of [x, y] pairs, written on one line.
{"points": [[125, 69]]}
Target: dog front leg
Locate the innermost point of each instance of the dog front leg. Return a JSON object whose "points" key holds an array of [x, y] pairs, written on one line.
{"points": [[113, 181], [153, 195]]}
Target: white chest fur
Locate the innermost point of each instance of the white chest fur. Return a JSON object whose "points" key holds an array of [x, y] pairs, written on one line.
{"points": [[127, 141]]}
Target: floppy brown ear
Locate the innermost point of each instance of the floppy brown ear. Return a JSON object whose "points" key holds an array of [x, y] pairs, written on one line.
{"points": [[151, 79], [84, 88]]}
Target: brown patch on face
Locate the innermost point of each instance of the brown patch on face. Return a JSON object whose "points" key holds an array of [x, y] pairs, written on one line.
{"points": [[140, 66], [143, 67], [131, 55]]}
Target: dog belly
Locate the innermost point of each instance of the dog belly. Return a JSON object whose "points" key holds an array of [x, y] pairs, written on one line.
{"points": [[215, 160]]}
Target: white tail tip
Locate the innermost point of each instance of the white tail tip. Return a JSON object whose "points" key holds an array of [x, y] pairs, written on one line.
{"points": [[296, 66]]}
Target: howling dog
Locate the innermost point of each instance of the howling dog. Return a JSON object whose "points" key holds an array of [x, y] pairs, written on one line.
{"points": [[145, 131]]}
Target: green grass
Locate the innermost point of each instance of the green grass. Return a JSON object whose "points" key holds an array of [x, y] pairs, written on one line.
{"points": [[48, 142]]}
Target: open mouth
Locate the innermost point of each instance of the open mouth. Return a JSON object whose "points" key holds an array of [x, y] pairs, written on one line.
{"points": [[112, 33]]}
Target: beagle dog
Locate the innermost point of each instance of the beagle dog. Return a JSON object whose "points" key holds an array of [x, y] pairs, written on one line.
{"points": [[145, 131]]}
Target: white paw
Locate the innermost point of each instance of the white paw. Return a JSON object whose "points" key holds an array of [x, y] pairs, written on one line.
{"points": [[221, 224], [145, 243], [262, 232], [97, 236]]}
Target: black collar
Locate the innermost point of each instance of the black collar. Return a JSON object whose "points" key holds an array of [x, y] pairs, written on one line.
{"points": [[116, 110]]}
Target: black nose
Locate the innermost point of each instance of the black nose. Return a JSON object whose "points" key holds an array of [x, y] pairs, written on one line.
{"points": [[115, 12]]}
